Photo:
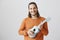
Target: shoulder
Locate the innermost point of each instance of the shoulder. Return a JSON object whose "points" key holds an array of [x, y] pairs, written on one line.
{"points": [[25, 19], [42, 17]]}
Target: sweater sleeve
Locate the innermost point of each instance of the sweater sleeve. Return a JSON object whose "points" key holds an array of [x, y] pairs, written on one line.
{"points": [[44, 29], [21, 30]]}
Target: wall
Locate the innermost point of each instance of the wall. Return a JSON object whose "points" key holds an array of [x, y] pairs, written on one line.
{"points": [[12, 12]]}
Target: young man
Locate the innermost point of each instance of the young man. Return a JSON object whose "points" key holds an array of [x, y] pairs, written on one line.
{"points": [[33, 19]]}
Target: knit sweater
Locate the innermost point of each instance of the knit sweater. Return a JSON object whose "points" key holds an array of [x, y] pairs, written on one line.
{"points": [[28, 23]]}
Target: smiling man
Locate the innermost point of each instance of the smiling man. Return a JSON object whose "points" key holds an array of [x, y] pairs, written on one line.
{"points": [[33, 18]]}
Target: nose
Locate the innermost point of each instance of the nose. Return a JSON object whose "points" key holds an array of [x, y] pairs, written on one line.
{"points": [[32, 10]]}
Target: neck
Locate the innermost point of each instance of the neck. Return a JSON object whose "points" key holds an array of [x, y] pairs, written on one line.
{"points": [[34, 17]]}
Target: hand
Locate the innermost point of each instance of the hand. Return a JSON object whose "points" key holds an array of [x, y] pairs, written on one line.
{"points": [[41, 27], [25, 33]]}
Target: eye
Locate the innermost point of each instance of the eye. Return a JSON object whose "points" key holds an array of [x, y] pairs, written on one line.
{"points": [[30, 8], [34, 7]]}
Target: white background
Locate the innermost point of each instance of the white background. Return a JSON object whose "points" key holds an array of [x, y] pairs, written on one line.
{"points": [[12, 12]]}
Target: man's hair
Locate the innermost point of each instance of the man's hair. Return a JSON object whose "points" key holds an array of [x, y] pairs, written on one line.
{"points": [[29, 15]]}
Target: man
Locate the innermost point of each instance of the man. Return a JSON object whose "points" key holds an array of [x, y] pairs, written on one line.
{"points": [[33, 18]]}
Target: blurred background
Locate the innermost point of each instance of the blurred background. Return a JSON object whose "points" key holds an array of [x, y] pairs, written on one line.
{"points": [[12, 12]]}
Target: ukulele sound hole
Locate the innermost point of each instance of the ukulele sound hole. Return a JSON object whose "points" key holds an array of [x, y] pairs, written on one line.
{"points": [[34, 30]]}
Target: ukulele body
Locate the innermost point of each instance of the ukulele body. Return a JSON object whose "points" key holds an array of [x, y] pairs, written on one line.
{"points": [[35, 30]]}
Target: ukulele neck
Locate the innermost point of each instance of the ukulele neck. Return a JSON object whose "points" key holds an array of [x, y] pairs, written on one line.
{"points": [[40, 25]]}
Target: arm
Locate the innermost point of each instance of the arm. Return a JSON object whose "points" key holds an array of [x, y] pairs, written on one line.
{"points": [[22, 30], [44, 29]]}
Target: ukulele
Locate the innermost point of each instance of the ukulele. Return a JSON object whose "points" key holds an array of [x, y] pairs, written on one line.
{"points": [[36, 29]]}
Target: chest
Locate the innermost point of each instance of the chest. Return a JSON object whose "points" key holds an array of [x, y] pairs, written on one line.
{"points": [[30, 23]]}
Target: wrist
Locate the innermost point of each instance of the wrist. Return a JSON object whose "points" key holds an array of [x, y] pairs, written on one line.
{"points": [[25, 32]]}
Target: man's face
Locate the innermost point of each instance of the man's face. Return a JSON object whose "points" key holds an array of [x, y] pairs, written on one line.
{"points": [[32, 9]]}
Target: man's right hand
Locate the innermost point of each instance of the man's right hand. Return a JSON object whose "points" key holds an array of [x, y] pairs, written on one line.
{"points": [[25, 33]]}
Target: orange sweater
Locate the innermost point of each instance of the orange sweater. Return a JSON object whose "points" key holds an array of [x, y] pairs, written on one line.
{"points": [[29, 23]]}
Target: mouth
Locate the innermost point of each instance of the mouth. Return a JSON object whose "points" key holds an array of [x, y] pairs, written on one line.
{"points": [[33, 12]]}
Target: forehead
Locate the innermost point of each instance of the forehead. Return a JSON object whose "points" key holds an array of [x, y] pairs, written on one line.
{"points": [[32, 5]]}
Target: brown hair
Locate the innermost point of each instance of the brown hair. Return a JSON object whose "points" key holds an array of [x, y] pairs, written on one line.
{"points": [[29, 15]]}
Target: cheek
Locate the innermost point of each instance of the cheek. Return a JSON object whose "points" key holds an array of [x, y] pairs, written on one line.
{"points": [[35, 10], [30, 11]]}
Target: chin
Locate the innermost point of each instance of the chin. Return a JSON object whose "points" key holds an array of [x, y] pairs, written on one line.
{"points": [[33, 13]]}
